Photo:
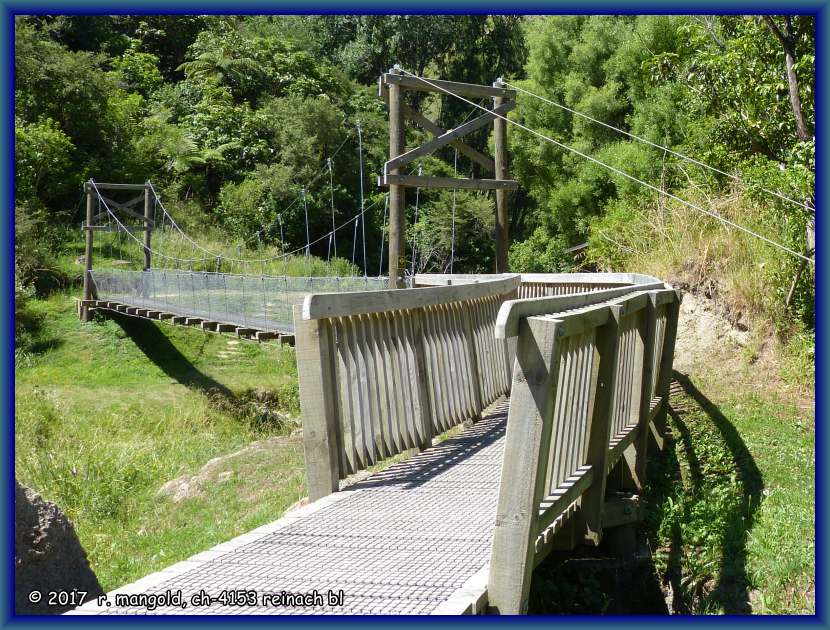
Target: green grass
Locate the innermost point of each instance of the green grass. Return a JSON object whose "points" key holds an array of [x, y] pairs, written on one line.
{"points": [[730, 517], [732, 503], [107, 412]]}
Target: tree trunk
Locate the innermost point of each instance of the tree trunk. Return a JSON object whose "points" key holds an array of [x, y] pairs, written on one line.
{"points": [[787, 38], [795, 99]]}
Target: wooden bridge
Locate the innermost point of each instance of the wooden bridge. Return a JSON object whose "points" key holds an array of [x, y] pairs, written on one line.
{"points": [[517, 412]]}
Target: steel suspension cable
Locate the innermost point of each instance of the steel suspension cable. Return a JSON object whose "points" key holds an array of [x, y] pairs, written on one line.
{"points": [[383, 227], [333, 240], [414, 242], [452, 242], [362, 200]]}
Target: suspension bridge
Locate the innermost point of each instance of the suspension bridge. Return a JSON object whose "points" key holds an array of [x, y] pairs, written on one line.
{"points": [[504, 415]]}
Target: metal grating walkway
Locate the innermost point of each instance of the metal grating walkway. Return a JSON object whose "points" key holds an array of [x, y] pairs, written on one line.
{"points": [[412, 539]]}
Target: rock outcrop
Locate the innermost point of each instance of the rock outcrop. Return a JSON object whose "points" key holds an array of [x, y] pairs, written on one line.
{"points": [[48, 557]]}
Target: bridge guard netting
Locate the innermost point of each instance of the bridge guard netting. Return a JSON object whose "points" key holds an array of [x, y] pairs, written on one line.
{"points": [[261, 302]]}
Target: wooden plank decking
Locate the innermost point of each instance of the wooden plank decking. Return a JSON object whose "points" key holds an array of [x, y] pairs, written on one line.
{"points": [[208, 325], [412, 539]]}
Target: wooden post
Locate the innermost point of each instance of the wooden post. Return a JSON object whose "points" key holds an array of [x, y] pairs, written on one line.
{"points": [[599, 428], [658, 426], [635, 455], [502, 219], [148, 217], [88, 292], [523, 468], [397, 217], [318, 401]]}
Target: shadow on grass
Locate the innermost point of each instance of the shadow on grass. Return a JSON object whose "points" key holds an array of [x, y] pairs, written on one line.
{"points": [[261, 410], [158, 348], [589, 581], [732, 586], [29, 337]]}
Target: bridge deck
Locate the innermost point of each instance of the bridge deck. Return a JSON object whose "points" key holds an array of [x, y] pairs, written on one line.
{"points": [[412, 539]]}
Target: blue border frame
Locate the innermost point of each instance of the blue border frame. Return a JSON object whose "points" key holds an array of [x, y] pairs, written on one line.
{"points": [[8, 10]]}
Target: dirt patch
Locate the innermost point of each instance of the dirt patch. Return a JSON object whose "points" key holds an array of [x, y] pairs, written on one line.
{"points": [[729, 355], [47, 556], [222, 469], [702, 328]]}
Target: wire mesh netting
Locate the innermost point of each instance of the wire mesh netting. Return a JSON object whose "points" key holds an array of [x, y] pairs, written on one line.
{"points": [[261, 302]]}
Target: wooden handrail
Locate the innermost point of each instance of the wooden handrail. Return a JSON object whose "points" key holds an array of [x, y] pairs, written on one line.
{"points": [[512, 311], [321, 305], [588, 388], [386, 371]]}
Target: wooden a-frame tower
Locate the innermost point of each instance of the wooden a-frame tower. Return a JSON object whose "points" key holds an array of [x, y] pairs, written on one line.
{"points": [[391, 87]]}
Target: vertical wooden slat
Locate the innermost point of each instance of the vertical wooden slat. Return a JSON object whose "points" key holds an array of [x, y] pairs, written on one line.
{"points": [[447, 352], [370, 387], [636, 453], [523, 474], [363, 430], [561, 408], [579, 394], [401, 406], [317, 398], [433, 364], [347, 388], [344, 389], [460, 354], [467, 315], [448, 362], [587, 393], [420, 383], [469, 408], [486, 363], [381, 355]]}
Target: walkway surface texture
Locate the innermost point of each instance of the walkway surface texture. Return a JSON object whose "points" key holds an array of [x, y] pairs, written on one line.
{"points": [[412, 539]]}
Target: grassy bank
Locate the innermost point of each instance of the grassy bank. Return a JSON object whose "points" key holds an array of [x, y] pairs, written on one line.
{"points": [[731, 519], [108, 412], [730, 516]]}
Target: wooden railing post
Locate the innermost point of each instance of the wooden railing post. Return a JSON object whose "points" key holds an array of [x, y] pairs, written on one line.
{"points": [[318, 399], [523, 468], [636, 453], [88, 286], [658, 426], [599, 426]]}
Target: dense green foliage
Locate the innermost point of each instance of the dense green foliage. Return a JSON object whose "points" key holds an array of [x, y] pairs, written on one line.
{"points": [[239, 114], [712, 88], [234, 116]]}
